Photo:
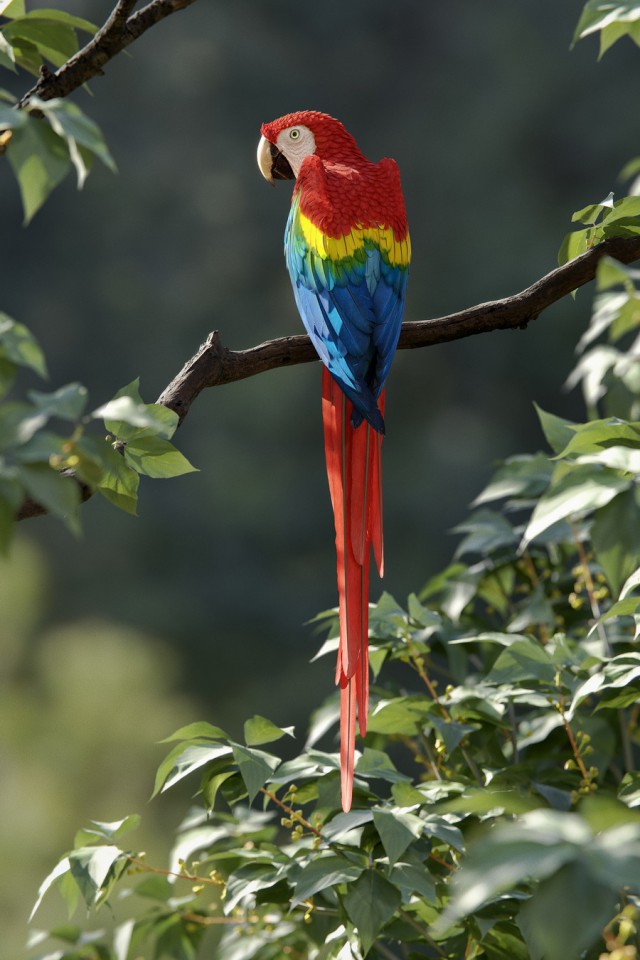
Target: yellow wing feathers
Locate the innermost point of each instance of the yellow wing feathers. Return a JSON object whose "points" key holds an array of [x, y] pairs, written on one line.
{"points": [[398, 252]]}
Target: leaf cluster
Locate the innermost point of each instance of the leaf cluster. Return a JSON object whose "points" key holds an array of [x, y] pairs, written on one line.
{"points": [[44, 140], [497, 791], [496, 794], [47, 441]]}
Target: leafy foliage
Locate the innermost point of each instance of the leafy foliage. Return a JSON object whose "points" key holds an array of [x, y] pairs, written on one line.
{"points": [[45, 139], [40, 462], [611, 20], [498, 771], [496, 796]]}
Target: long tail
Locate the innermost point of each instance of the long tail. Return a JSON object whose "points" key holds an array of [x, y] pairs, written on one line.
{"points": [[354, 469]]}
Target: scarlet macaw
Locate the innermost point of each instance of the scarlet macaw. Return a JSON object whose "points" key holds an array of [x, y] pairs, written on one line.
{"points": [[347, 249]]}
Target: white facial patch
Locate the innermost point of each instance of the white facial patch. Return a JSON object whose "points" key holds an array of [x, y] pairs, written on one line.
{"points": [[296, 143]]}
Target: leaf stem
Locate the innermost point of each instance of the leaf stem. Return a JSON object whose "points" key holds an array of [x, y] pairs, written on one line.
{"points": [[294, 814]]}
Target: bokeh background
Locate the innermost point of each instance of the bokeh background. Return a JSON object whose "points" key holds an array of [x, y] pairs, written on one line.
{"points": [[197, 608]]}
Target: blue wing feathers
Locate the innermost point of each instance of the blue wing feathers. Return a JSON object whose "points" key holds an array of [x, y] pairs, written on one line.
{"points": [[352, 311]]}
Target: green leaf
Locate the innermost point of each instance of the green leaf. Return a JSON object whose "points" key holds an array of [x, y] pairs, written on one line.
{"points": [[67, 403], [247, 880], [629, 791], [112, 831], [183, 760], [487, 531], [72, 125], [344, 823], [593, 211], [60, 16], [521, 476], [60, 869], [401, 715], [54, 41], [90, 868], [200, 730], [18, 345], [322, 873], [259, 730], [533, 848], [573, 245], [40, 160], [119, 483], [558, 431], [412, 878], [631, 583], [156, 457], [595, 435], [452, 733], [377, 765], [578, 492], [441, 829], [19, 422], [523, 660], [12, 8], [615, 535], [370, 903], [561, 927], [7, 57], [128, 418], [256, 767], [612, 273], [397, 830], [58, 494]]}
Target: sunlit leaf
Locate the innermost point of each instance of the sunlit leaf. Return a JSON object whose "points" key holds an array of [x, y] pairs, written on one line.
{"points": [[259, 730], [40, 160], [322, 873], [573, 495], [156, 457]]}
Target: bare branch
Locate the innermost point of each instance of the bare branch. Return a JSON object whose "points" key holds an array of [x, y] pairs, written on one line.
{"points": [[121, 29], [214, 364]]}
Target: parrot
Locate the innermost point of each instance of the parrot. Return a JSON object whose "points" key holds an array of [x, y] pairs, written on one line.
{"points": [[347, 250]]}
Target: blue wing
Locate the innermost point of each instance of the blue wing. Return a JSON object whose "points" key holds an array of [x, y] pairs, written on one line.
{"points": [[351, 306]]}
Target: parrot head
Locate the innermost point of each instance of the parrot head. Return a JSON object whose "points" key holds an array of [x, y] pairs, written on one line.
{"points": [[286, 142]]}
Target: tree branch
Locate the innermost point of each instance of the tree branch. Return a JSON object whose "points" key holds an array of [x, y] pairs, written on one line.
{"points": [[214, 364], [121, 29]]}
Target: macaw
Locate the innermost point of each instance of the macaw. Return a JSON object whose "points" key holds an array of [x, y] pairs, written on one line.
{"points": [[347, 249]]}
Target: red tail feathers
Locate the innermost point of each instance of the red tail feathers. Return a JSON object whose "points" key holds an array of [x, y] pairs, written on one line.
{"points": [[354, 469]]}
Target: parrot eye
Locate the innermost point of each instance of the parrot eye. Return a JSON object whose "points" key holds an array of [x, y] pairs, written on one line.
{"points": [[294, 134]]}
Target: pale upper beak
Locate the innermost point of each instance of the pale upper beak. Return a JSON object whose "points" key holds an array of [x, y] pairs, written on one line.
{"points": [[272, 163], [265, 160]]}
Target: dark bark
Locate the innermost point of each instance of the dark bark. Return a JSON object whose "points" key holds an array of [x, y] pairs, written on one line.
{"points": [[214, 364]]}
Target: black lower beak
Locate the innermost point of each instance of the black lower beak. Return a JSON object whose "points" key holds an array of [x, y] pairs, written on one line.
{"points": [[280, 166]]}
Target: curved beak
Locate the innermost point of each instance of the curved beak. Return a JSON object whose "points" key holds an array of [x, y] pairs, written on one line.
{"points": [[273, 164], [264, 159]]}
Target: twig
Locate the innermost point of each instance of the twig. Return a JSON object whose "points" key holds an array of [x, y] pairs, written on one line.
{"points": [[121, 29], [191, 877], [293, 814]]}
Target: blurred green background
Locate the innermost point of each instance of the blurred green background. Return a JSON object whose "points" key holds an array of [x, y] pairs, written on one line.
{"points": [[196, 609]]}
